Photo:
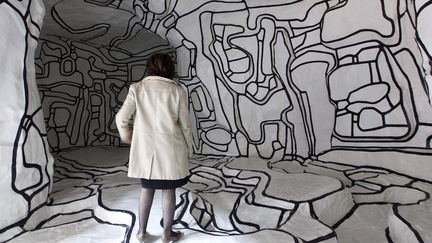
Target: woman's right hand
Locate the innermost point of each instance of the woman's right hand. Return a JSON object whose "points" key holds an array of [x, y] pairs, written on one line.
{"points": [[129, 138]]}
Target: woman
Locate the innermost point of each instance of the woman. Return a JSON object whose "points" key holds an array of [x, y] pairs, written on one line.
{"points": [[161, 140]]}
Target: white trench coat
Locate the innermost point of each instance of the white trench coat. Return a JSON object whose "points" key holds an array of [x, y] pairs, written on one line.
{"points": [[162, 138]]}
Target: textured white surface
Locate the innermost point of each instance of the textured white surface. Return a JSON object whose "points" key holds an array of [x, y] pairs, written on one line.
{"points": [[404, 221], [227, 200], [424, 29], [88, 54], [298, 78], [9, 118], [26, 164], [273, 79]]}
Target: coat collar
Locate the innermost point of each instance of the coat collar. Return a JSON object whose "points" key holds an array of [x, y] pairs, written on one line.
{"points": [[159, 78]]}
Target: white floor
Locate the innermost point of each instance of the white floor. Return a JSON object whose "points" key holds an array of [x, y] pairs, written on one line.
{"points": [[233, 200]]}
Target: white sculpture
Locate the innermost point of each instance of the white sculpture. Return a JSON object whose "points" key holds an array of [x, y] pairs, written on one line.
{"points": [[26, 167]]}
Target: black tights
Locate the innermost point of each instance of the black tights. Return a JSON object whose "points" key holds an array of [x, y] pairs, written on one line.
{"points": [[168, 203]]}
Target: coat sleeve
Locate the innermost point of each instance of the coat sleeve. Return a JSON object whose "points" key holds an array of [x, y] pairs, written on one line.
{"points": [[125, 114], [184, 121]]}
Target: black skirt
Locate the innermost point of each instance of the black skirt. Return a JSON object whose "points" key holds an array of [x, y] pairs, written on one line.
{"points": [[163, 184]]}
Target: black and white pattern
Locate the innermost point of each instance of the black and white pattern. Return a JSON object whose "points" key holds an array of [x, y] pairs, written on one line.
{"points": [[235, 199], [296, 79], [26, 164], [84, 66], [333, 97], [274, 80]]}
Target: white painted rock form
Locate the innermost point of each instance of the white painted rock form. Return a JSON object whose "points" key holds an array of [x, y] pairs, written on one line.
{"points": [[321, 82], [26, 164], [410, 224], [233, 200]]}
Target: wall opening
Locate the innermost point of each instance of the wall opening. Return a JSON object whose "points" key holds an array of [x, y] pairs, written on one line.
{"points": [[86, 59]]}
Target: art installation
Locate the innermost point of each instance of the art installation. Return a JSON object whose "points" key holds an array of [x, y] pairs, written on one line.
{"points": [[26, 166], [83, 76], [312, 120]]}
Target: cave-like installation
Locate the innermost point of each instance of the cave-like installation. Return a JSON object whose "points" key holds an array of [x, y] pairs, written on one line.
{"points": [[312, 119]]}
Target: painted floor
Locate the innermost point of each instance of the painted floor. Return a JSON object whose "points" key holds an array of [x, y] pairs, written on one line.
{"points": [[233, 200]]}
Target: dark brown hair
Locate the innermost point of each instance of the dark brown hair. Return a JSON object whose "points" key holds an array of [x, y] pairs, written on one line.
{"points": [[160, 64]]}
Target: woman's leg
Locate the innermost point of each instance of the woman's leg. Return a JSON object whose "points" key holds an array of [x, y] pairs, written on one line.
{"points": [[144, 206], [168, 201]]}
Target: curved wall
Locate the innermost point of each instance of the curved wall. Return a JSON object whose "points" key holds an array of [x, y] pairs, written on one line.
{"points": [[276, 80], [301, 79], [347, 81], [424, 38], [26, 164], [82, 85], [87, 57]]}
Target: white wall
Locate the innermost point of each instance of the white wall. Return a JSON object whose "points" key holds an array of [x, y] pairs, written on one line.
{"points": [[424, 37], [274, 79], [87, 57], [280, 79], [82, 86], [25, 162], [277, 80]]}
